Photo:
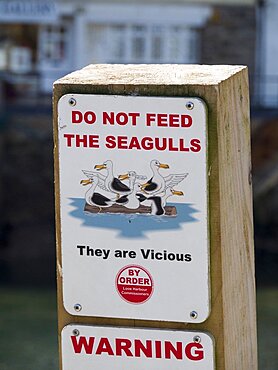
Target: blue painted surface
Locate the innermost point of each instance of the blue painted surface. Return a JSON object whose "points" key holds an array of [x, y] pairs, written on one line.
{"points": [[134, 226]]}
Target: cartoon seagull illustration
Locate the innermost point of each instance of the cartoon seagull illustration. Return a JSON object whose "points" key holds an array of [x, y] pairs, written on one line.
{"points": [[132, 199], [158, 202], [95, 198], [174, 179], [156, 183], [113, 184], [90, 175], [167, 194]]}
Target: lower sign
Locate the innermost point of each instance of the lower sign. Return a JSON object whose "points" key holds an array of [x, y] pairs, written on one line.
{"points": [[98, 348]]}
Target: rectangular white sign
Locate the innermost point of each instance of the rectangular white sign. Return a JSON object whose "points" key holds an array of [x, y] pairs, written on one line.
{"points": [[133, 193], [28, 11], [98, 348]]}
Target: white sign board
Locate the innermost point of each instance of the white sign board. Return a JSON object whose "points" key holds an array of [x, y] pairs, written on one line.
{"points": [[98, 348], [28, 11], [133, 195]]}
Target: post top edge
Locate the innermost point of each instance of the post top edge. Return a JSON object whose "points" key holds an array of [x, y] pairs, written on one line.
{"points": [[151, 74]]}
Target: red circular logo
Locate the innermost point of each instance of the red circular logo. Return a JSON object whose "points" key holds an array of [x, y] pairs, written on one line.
{"points": [[134, 284]]}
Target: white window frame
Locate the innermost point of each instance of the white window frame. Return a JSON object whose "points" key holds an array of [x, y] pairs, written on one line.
{"points": [[185, 17], [50, 34], [187, 44]]}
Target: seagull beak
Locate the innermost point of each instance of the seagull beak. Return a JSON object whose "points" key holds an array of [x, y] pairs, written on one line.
{"points": [[86, 182], [99, 166], [163, 165], [142, 188], [176, 192], [123, 177]]}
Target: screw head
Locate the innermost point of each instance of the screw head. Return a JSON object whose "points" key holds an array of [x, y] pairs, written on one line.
{"points": [[77, 307], [190, 105], [75, 332], [72, 102], [193, 315], [197, 339]]}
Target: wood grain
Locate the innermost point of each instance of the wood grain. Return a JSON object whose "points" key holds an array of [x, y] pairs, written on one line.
{"points": [[232, 320]]}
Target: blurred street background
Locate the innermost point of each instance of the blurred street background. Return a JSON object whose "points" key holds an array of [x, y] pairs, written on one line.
{"points": [[42, 40]]}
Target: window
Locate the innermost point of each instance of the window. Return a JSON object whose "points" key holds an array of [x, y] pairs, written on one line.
{"points": [[20, 59], [138, 43], [157, 44], [53, 44], [118, 42]]}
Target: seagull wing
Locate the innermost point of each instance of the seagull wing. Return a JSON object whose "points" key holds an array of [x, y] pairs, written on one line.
{"points": [[101, 178], [117, 185], [173, 180], [150, 185], [101, 200]]}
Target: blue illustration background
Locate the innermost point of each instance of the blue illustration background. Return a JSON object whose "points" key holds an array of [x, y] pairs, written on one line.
{"points": [[133, 226]]}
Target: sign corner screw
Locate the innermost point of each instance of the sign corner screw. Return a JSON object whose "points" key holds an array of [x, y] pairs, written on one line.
{"points": [[193, 315], [190, 105], [75, 332], [77, 307], [72, 102], [197, 339]]}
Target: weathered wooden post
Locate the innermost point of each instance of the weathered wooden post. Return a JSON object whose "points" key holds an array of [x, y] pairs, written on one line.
{"points": [[155, 254]]}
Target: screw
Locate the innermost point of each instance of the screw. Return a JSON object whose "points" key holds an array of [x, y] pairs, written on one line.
{"points": [[193, 315], [77, 307], [75, 332], [197, 339], [72, 102], [190, 105]]}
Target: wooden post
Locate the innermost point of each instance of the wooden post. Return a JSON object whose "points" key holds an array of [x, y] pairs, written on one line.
{"points": [[232, 320]]}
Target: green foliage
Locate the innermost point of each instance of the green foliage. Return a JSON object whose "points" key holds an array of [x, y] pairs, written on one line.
{"points": [[28, 323], [267, 313]]}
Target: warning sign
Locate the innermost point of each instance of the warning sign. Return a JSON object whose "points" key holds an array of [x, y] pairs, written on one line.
{"points": [[97, 348], [133, 207], [134, 284]]}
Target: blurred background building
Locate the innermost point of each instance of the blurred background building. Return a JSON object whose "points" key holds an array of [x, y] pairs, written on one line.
{"points": [[42, 40]]}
